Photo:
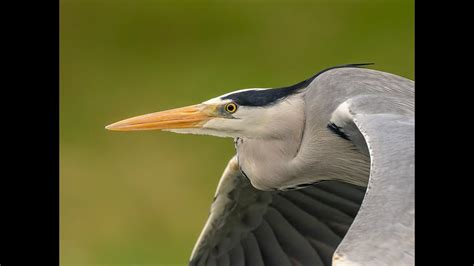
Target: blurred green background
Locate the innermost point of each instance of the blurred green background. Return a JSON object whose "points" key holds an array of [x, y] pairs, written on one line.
{"points": [[143, 197]]}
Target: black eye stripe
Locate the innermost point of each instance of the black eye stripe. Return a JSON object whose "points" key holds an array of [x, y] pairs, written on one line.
{"points": [[271, 96]]}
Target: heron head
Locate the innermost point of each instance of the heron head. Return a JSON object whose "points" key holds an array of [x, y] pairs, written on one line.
{"points": [[253, 113]]}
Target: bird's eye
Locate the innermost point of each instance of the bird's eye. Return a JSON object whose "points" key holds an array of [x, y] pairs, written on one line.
{"points": [[231, 107]]}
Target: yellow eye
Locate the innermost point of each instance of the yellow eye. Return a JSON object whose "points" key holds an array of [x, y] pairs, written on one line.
{"points": [[231, 107]]}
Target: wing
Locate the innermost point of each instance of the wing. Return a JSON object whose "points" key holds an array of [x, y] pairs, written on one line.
{"points": [[383, 231], [247, 226]]}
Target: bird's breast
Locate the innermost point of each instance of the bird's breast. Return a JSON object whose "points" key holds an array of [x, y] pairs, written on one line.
{"points": [[264, 163]]}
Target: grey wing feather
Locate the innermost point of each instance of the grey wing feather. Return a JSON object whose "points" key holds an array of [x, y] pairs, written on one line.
{"points": [[254, 227], [383, 231]]}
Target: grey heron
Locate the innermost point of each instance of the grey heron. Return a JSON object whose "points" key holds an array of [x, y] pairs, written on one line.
{"points": [[323, 172]]}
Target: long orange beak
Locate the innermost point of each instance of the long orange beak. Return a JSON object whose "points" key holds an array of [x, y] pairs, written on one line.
{"points": [[193, 116]]}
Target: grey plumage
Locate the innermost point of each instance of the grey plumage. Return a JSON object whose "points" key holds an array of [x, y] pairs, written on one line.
{"points": [[307, 151], [375, 110]]}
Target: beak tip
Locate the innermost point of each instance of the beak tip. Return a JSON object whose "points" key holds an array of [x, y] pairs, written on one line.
{"points": [[110, 127]]}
